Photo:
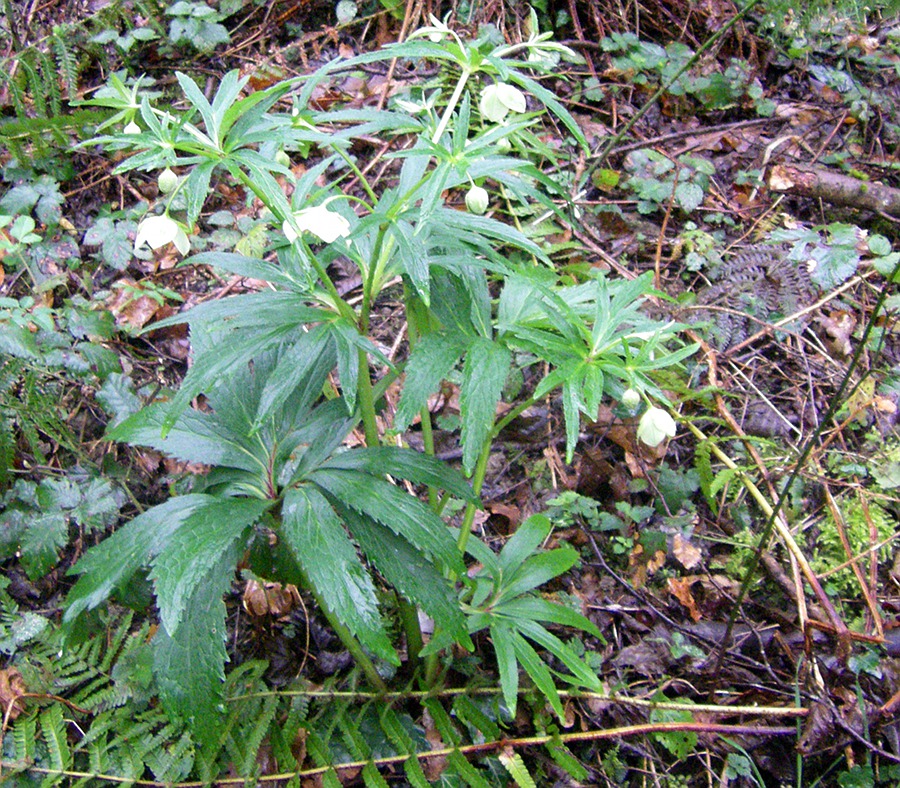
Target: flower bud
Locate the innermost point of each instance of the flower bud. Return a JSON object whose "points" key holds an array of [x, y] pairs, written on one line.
{"points": [[631, 399], [283, 159], [477, 200], [132, 128], [167, 181]]}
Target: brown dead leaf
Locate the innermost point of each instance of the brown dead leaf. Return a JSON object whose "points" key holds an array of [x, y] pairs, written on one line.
{"points": [[680, 588], [641, 565], [12, 688], [129, 307], [688, 555], [270, 599], [839, 326]]}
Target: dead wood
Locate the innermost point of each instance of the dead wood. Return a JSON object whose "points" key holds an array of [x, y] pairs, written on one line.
{"points": [[832, 187]]}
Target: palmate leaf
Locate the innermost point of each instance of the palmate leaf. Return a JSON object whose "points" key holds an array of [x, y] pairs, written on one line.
{"points": [[316, 536]]}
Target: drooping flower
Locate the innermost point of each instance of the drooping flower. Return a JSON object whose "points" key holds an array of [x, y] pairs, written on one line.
{"points": [[655, 426], [157, 231], [499, 99], [318, 220], [477, 200]]}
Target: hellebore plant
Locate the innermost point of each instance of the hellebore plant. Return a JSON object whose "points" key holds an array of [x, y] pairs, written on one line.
{"points": [[288, 372]]}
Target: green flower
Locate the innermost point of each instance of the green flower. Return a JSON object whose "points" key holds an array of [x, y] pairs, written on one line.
{"points": [[655, 426]]}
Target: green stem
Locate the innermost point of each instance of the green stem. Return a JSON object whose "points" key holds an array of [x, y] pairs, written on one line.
{"points": [[366, 398], [352, 645], [451, 106], [359, 174]]}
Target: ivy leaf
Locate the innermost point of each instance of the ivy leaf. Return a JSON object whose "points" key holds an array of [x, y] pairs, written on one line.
{"points": [[689, 196], [484, 373], [211, 531], [317, 538]]}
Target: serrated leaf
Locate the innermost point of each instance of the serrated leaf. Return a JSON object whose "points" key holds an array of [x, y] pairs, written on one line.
{"points": [[316, 536], [484, 373], [385, 503], [194, 437], [410, 573], [47, 533], [212, 530], [503, 640], [537, 671], [118, 398], [404, 464], [430, 362], [189, 662]]}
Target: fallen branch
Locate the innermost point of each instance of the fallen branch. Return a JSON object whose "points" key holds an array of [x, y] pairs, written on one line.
{"points": [[834, 188]]}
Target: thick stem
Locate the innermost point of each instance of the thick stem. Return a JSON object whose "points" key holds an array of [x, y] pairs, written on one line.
{"points": [[366, 400]]}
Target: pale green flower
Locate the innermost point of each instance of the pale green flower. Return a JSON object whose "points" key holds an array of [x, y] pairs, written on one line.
{"points": [[499, 99], [318, 220], [655, 426], [157, 231], [477, 200], [132, 128]]}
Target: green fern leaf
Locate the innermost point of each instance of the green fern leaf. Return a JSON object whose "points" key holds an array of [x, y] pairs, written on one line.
{"points": [[722, 478], [468, 713], [53, 732], [564, 758], [321, 757], [24, 737], [372, 777], [400, 738], [514, 764], [458, 763]]}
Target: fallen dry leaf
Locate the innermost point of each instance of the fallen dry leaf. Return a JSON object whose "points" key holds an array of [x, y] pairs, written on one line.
{"points": [[688, 555], [680, 588], [12, 687]]}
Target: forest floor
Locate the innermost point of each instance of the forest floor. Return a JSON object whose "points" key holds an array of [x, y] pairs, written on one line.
{"points": [[761, 189]]}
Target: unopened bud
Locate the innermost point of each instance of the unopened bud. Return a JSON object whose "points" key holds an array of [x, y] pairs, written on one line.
{"points": [[477, 200], [631, 399], [167, 181]]}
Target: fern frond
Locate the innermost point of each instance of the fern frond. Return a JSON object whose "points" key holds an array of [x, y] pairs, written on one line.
{"points": [[469, 714], [24, 737], [517, 769], [53, 732], [66, 61], [564, 758], [400, 738]]}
